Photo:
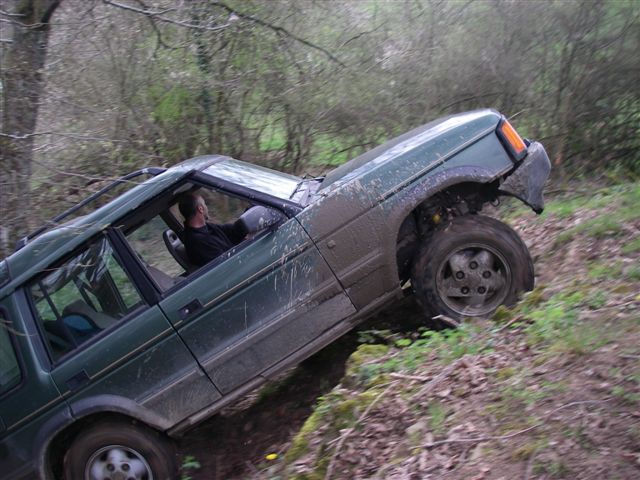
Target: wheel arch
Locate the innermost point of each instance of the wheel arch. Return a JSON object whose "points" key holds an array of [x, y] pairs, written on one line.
{"points": [[415, 197], [49, 445]]}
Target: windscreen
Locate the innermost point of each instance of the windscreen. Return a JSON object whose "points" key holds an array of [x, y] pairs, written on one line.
{"points": [[257, 178]]}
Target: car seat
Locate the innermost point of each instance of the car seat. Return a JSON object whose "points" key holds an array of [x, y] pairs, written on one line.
{"points": [[177, 250]]}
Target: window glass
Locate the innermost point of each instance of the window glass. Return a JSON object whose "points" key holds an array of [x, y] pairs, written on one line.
{"points": [[9, 368], [160, 249], [149, 243], [257, 178], [78, 299], [223, 208]]}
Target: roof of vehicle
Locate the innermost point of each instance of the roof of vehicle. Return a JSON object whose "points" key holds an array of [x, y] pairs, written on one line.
{"points": [[57, 241]]}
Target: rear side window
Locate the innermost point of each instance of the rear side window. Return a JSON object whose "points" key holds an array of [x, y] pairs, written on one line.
{"points": [[9, 368], [82, 297]]}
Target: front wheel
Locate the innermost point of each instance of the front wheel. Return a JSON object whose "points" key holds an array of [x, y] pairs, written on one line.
{"points": [[122, 451], [469, 267]]}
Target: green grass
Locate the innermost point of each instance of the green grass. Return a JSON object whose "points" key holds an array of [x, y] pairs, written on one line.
{"points": [[632, 246], [579, 341], [600, 227], [437, 417], [565, 208], [554, 325], [626, 396], [633, 273], [603, 270], [623, 199], [556, 468], [189, 464]]}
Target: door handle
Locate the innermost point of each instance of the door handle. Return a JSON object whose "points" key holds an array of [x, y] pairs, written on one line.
{"points": [[77, 381], [189, 309]]}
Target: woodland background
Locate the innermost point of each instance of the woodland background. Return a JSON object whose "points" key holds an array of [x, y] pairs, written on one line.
{"points": [[91, 90]]}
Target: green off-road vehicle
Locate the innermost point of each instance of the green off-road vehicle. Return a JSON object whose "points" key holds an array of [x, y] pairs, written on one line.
{"points": [[113, 343]]}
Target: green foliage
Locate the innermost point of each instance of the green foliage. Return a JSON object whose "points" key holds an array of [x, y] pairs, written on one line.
{"points": [[633, 273], [556, 469], [597, 299], [626, 396], [370, 364], [363, 366], [566, 207], [600, 227], [553, 318], [189, 463], [526, 451], [300, 444], [437, 417], [333, 413], [173, 106], [624, 198], [603, 270], [632, 246], [273, 138]]}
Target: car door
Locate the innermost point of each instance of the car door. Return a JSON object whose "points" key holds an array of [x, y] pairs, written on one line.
{"points": [[256, 305], [112, 348], [29, 399]]}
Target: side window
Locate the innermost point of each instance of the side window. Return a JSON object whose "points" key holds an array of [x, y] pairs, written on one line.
{"points": [[150, 246], [9, 368], [161, 250], [82, 297], [223, 208]]}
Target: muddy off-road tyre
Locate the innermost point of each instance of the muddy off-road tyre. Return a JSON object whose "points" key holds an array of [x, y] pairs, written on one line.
{"points": [[470, 266], [120, 450]]}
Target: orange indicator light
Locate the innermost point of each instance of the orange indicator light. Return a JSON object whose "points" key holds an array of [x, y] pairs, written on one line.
{"points": [[512, 137]]}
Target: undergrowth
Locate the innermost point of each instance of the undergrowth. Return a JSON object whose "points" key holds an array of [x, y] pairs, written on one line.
{"points": [[551, 324]]}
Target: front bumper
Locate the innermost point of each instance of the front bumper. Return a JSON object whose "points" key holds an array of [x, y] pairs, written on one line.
{"points": [[527, 180]]}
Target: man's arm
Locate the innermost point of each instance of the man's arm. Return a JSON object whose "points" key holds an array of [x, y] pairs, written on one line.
{"points": [[236, 231]]}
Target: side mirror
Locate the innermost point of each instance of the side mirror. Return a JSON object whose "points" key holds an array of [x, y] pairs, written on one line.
{"points": [[258, 218]]}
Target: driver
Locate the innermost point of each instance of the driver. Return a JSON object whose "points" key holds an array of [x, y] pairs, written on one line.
{"points": [[204, 241]]}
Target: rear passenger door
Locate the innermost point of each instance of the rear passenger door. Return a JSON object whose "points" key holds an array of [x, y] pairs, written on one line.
{"points": [[110, 346], [29, 400]]}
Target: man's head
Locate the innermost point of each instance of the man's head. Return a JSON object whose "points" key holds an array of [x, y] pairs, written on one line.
{"points": [[193, 209]]}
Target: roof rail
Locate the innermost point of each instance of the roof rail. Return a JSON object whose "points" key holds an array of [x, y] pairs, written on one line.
{"points": [[145, 171]]}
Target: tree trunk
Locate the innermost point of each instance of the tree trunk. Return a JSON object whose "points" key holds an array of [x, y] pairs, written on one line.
{"points": [[22, 83]]}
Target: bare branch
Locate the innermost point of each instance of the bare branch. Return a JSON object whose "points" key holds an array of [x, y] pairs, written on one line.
{"points": [[158, 15], [279, 30], [76, 136], [157, 31], [7, 14], [233, 15], [362, 34]]}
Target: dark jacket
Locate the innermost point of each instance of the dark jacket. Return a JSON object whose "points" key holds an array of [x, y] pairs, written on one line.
{"points": [[208, 242]]}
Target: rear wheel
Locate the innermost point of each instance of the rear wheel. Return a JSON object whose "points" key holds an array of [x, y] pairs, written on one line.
{"points": [[469, 267], [120, 451]]}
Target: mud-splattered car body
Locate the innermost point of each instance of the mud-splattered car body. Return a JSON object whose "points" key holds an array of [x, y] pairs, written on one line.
{"points": [[96, 330]]}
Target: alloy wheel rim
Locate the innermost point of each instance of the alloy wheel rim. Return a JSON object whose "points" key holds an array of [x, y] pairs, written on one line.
{"points": [[473, 280], [117, 462]]}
